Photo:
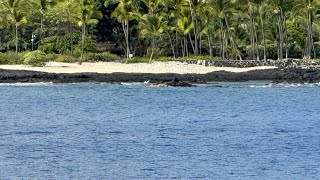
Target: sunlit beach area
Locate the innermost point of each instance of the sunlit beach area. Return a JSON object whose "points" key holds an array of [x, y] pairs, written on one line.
{"points": [[112, 67]]}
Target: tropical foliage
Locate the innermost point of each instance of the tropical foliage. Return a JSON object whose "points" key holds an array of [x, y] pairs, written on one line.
{"points": [[227, 29]]}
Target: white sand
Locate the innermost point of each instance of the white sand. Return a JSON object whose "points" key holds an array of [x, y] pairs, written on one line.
{"points": [[111, 67]]}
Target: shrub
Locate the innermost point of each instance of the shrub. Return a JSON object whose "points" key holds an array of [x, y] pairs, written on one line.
{"points": [[47, 48], [157, 52], [4, 58], [162, 58], [65, 58], [146, 59], [35, 58], [139, 60], [51, 57], [101, 57], [11, 58]]}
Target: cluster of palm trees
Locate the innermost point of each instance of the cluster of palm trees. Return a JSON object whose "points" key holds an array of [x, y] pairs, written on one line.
{"points": [[230, 29], [237, 28]]}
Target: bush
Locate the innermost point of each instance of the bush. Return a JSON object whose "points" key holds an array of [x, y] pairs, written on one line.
{"points": [[157, 52], [146, 59], [47, 48], [4, 58], [11, 58], [65, 58], [101, 57], [139, 60], [51, 57], [162, 58], [35, 58]]}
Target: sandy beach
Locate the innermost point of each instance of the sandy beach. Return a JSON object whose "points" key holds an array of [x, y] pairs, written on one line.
{"points": [[112, 67]]}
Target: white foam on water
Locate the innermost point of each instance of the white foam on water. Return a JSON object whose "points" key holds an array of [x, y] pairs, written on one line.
{"points": [[27, 84], [134, 83], [285, 85]]}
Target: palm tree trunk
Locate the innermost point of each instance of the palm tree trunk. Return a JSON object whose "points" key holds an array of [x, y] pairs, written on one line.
{"points": [[200, 44], [263, 39], [70, 29], [82, 41], [228, 33], [286, 36], [177, 44], [309, 36], [125, 27], [210, 48], [193, 48], [256, 41], [226, 45], [17, 42], [152, 48], [252, 39], [280, 24], [172, 47], [221, 40], [41, 30], [186, 46], [196, 40], [182, 47], [128, 41]]}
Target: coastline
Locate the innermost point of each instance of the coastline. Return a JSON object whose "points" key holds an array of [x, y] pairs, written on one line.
{"points": [[153, 73], [114, 67]]}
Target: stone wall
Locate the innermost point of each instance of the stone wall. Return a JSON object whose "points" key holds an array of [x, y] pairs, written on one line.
{"points": [[286, 63]]}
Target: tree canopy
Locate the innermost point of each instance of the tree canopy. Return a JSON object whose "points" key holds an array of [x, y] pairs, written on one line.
{"points": [[225, 29]]}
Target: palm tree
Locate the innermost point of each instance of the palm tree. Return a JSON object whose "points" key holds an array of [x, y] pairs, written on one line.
{"points": [[307, 7], [152, 26], [263, 15], [208, 21], [279, 9], [125, 11], [196, 6], [88, 14], [176, 10], [223, 9], [252, 11], [154, 6], [184, 26], [15, 14]]}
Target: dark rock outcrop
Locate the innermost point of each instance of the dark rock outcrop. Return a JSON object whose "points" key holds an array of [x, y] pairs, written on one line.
{"points": [[276, 75], [173, 83]]}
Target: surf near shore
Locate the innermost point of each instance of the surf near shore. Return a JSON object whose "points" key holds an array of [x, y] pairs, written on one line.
{"points": [[154, 72]]}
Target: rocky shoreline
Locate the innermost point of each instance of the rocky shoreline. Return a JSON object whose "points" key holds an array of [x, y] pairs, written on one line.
{"points": [[278, 75]]}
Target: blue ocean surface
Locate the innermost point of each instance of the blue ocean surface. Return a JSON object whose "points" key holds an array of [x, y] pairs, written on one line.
{"points": [[135, 131]]}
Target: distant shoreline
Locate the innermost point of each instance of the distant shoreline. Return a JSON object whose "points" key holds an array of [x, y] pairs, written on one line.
{"points": [[172, 67], [277, 75]]}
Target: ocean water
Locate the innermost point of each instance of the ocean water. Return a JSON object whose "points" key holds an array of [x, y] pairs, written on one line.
{"points": [[134, 131]]}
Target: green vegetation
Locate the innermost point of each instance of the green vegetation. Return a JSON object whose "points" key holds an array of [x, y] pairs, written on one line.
{"points": [[35, 31], [35, 58]]}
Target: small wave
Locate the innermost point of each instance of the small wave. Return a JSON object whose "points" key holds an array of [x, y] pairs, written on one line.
{"points": [[134, 83], [27, 84], [285, 85], [27, 133]]}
